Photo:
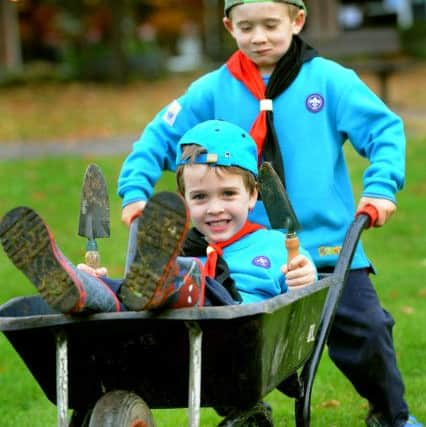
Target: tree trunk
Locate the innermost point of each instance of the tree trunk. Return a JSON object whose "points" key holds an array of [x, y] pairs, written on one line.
{"points": [[213, 29], [119, 68], [322, 19], [10, 42]]}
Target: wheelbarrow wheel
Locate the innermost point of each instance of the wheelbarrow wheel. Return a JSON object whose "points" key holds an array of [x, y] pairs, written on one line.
{"points": [[120, 408]]}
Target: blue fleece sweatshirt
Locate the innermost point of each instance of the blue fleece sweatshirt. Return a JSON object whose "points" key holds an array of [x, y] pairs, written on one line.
{"points": [[325, 106], [256, 267]]}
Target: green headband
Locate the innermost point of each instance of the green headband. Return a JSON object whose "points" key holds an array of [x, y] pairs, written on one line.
{"points": [[232, 3]]}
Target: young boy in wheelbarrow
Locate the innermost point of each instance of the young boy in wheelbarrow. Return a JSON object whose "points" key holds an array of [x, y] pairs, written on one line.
{"points": [[228, 260]]}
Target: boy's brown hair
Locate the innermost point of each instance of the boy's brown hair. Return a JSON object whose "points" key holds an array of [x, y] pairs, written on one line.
{"points": [[192, 151]]}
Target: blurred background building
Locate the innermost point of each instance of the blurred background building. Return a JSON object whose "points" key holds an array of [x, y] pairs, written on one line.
{"points": [[119, 40]]}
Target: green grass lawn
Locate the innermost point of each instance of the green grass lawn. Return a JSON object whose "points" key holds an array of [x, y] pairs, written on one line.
{"points": [[52, 186]]}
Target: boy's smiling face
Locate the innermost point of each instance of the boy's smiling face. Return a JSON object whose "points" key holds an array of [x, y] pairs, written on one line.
{"points": [[218, 201], [263, 31]]}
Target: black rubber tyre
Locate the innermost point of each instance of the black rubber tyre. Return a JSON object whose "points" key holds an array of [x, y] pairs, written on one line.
{"points": [[120, 408]]}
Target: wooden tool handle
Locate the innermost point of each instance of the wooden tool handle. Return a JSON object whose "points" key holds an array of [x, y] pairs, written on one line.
{"points": [[92, 259], [292, 246]]}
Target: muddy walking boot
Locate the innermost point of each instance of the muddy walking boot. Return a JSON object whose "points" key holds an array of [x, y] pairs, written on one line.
{"points": [[157, 277], [260, 415], [30, 245]]}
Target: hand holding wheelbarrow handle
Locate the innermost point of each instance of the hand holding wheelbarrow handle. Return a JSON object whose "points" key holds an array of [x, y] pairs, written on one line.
{"points": [[370, 211]]}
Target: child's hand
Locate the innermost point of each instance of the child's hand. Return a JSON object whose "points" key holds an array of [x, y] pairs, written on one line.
{"points": [[385, 209], [302, 272], [98, 272], [131, 211]]}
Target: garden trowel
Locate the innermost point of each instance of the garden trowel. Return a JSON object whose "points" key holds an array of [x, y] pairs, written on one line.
{"points": [[278, 207], [94, 213]]}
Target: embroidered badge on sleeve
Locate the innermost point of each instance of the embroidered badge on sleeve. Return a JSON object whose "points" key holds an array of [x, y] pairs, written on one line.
{"points": [[172, 112]]}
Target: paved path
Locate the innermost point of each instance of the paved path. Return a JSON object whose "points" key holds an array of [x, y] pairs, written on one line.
{"points": [[112, 145]]}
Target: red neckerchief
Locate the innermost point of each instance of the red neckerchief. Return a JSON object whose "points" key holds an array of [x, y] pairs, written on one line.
{"points": [[215, 249], [244, 70]]}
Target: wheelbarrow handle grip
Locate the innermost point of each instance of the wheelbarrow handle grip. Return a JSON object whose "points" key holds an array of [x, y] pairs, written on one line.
{"points": [[137, 214], [372, 213]]}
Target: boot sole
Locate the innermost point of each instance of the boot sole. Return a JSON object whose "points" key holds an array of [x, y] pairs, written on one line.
{"points": [[29, 244], [161, 232]]}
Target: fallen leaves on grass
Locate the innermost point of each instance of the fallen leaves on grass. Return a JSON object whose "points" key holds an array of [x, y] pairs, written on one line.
{"points": [[394, 294], [422, 293], [408, 310], [332, 403], [77, 111]]}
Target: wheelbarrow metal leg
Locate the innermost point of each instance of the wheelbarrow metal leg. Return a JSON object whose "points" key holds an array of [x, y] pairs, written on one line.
{"points": [[62, 378], [194, 392], [339, 279]]}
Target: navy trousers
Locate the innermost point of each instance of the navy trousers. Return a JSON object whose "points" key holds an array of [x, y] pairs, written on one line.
{"points": [[215, 293], [361, 345]]}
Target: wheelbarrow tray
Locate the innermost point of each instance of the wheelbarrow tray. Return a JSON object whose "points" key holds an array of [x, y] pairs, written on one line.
{"points": [[247, 350]]}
